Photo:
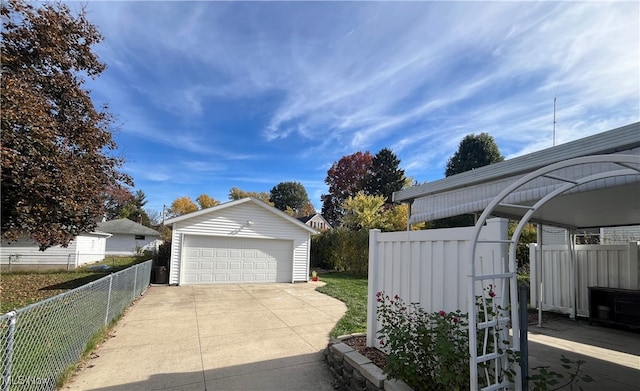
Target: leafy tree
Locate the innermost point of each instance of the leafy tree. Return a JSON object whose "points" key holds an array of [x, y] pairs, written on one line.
{"points": [[474, 151], [529, 235], [115, 199], [133, 209], [396, 218], [57, 170], [363, 212], [181, 206], [306, 211], [206, 202], [238, 194], [384, 176], [345, 179], [291, 195]]}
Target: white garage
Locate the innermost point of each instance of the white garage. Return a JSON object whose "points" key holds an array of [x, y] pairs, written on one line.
{"points": [[210, 259], [243, 241]]}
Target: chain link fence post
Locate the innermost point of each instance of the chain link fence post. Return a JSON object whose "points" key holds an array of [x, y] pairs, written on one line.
{"points": [[8, 351], [106, 315], [135, 282]]}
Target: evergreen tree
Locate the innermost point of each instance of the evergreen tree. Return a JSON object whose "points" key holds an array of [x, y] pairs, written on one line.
{"points": [[384, 176]]}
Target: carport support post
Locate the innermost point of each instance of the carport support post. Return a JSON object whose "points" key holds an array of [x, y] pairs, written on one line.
{"points": [[523, 297], [570, 240], [541, 262]]}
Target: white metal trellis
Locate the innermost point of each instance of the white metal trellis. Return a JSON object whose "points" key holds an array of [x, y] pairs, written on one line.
{"points": [[489, 358]]}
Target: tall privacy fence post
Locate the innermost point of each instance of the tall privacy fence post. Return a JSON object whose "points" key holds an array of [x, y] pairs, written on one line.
{"points": [[524, 329], [106, 315], [6, 374]]}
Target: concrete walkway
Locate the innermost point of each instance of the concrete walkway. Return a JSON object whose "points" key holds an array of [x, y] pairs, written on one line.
{"points": [[230, 337], [611, 356]]}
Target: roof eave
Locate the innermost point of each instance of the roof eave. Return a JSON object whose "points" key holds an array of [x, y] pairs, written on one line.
{"points": [[619, 139]]}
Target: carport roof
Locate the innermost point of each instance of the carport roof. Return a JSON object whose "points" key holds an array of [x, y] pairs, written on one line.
{"points": [[230, 204], [606, 202]]}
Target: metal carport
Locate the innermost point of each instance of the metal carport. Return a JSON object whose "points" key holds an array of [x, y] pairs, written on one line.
{"points": [[591, 182]]}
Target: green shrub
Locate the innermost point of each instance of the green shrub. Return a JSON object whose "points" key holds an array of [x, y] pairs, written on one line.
{"points": [[428, 351], [341, 249], [161, 257]]}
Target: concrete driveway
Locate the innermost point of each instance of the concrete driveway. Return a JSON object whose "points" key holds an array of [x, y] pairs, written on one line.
{"points": [[229, 337]]}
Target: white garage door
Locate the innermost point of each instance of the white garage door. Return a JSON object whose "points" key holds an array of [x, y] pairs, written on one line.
{"points": [[212, 260]]}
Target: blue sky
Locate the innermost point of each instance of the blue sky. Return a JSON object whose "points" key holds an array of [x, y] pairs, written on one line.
{"points": [[214, 95]]}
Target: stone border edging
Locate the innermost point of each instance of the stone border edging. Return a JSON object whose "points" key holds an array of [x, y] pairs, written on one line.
{"points": [[355, 372]]}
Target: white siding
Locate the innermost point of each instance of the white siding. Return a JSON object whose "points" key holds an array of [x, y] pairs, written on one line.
{"points": [[89, 248], [620, 235], [126, 244], [553, 235], [232, 222], [25, 254]]}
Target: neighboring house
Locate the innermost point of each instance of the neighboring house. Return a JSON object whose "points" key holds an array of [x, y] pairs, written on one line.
{"points": [[129, 237], [24, 254], [620, 235], [316, 221], [242, 241]]}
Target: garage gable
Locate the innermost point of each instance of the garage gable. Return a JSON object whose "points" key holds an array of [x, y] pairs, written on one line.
{"points": [[240, 241]]}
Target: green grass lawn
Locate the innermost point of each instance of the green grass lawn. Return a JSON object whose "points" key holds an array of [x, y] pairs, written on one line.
{"points": [[352, 290], [19, 289]]}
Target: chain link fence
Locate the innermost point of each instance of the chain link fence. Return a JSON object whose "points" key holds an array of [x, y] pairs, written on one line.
{"points": [[15, 260], [38, 342]]}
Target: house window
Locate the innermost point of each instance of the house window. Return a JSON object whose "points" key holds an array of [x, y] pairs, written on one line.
{"points": [[139, 237]]}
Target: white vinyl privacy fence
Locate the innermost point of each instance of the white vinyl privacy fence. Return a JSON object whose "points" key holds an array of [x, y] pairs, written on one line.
{"points": [[560, 282], [38, 342], [430, 267]]}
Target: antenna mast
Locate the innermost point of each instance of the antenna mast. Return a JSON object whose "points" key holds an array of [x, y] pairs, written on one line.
{"points": [[554, 121]]}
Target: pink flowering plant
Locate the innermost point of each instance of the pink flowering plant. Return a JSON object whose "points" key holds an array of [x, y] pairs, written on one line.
{"points": [[430, 351], [425, 350]]}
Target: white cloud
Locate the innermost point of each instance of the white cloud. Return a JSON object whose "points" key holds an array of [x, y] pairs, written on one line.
{"points": [[343, 76]]}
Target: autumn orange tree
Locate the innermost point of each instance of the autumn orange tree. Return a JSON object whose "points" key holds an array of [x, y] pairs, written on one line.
{"points": [[57, 147], [238, 194], [206, 201], [181, 206]]}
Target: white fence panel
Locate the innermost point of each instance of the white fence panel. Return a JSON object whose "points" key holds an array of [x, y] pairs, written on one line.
{"points": [[611, 266], [431, 267]]}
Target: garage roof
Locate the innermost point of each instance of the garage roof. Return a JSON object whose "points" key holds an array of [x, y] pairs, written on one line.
{"points": [[612, 201], [126, 226], [230, 204]]}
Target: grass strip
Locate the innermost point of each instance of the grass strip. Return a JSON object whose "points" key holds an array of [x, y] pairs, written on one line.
{"points": [[352, 290]]}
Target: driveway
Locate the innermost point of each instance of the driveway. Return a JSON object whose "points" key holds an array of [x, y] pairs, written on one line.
{"points": [[229, 337]]}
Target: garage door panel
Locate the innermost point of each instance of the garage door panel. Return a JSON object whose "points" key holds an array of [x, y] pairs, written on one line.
{"points": [[234, 260], [204, 265]]}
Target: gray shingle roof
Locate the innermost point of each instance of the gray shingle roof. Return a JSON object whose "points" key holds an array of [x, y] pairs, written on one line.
{"points": [[126, 226]]}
